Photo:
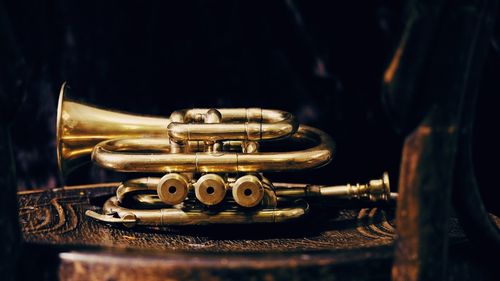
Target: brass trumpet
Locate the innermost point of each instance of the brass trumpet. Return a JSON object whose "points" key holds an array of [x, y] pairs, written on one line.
{"points": [[212, 162]]}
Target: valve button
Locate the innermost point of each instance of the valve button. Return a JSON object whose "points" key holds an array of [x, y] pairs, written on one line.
{"points": [[210, 189], [248, 191], [172, 189]]}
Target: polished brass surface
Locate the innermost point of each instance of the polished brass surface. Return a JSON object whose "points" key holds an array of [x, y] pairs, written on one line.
{"points": [[126, 159], [210, 189], [374, 191], [211, 163], [269, 211], [172, 188], [116, 214], [248, 191], [80, 127], [189, 213]]}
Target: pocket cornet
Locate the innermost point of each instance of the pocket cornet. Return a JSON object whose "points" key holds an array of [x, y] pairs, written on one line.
{"points": [[211, 163]]}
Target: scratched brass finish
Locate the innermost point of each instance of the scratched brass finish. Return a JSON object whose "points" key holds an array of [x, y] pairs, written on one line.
{"points": [[210, 163]]}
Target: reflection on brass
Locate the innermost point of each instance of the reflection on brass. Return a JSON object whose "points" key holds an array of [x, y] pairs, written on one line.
{"points": [[210, 189], [211, 163], [172, 188], [248, 191]]}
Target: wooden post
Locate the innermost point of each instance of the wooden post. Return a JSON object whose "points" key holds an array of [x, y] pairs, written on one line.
{"points": [[429, 101]]}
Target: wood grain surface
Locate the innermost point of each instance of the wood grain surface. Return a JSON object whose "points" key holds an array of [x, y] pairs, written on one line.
{"points": [[348, 244]]}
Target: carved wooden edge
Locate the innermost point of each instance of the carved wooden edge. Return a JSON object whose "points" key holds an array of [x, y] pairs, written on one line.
{"points": [[317, 266]]}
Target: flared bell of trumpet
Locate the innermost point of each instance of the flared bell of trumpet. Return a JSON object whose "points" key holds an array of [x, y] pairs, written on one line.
{"points": [[80, 127]]}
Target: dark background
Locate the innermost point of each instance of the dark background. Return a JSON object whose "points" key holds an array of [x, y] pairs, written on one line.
{"points": [[321, 60]]}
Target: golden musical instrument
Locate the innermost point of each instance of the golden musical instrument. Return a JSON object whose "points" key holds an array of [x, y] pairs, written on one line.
{"points": [[211, 161]]}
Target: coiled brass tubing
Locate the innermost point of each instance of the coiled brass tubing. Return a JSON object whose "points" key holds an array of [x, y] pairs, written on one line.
{"points": [[121, 158], [211, 163]]}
